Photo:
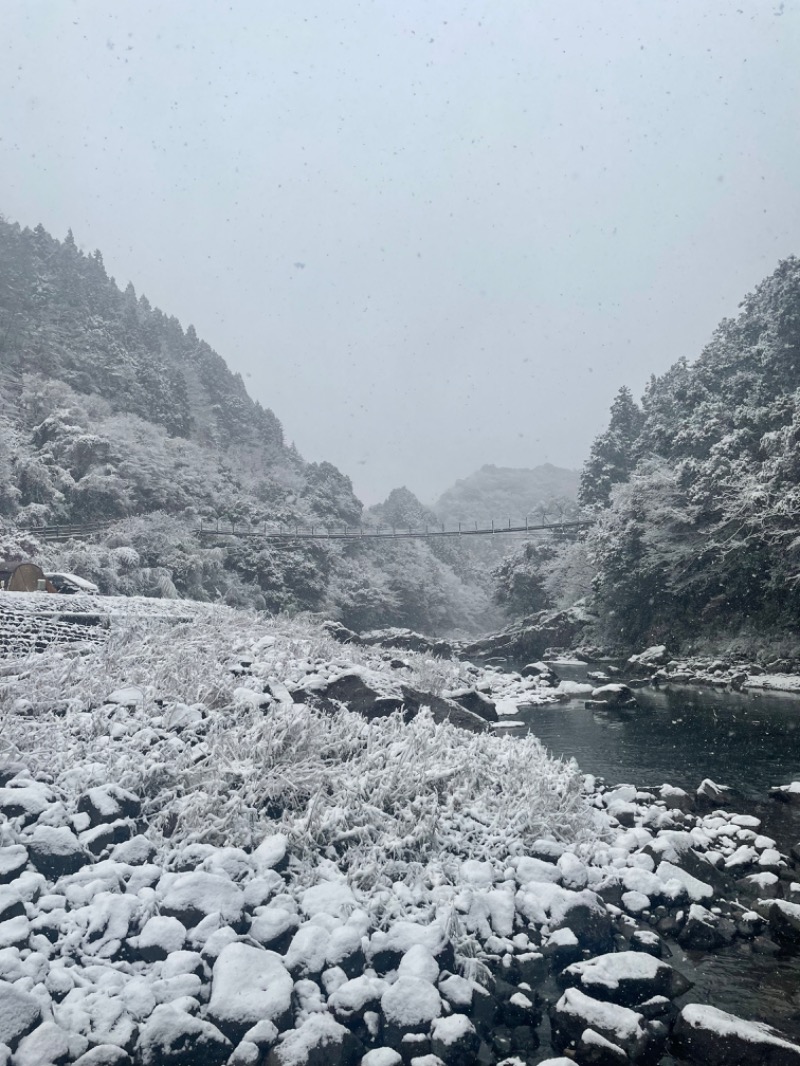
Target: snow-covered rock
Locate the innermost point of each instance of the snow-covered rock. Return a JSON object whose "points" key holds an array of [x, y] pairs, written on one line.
{"points": [[171, 1037], [411, 1003], [274, 926], [319, 1041], [695, 889], [355, 996], [55, 851], [454, 1039], [575, 1012], [107, 803], [784, 920], [787, 793], [625, 977], [49, 1043], [193, 896], [712, 1036], [160, 937], [249, 985], [19, 1013]]}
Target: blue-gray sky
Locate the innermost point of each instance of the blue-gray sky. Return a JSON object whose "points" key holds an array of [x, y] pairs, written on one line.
{"points": [[430, 235]]}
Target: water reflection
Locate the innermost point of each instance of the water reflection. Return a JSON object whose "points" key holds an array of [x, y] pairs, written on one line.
{"points": [[680, 735]]}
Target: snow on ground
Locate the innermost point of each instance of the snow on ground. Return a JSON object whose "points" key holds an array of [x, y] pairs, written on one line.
{"points": [[171, 819], [381, 796]]}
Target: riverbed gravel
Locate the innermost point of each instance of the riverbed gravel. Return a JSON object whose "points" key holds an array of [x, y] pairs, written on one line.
{"points": [[206, 857]]}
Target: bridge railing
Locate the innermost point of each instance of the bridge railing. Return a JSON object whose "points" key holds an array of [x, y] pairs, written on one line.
{"points": [[323, 531], [345, 532]]}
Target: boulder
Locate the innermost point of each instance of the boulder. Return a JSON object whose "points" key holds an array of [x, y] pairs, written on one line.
{"points": [[107, 834], [19, 1014], [171, 1037], [475, 702], [612, 696], [625, 977], [160, 937], [249, 985], [137, 851], [318, 1041], [354, 997], [26, 799], [712, 793], [271, 853], [359, 695], [408, 640], [784, 921], [529, 639], [274, 927], [520, 1009], [341, 634], [594, 1050], [109, 803], [9, 769], [575, 1012], [542, 672], [584, 915], [650, 658], [715, 1038], [56, 851], [701, 930], [191, 897], [11, 903], [13, 860], [411, 1004], [787, 793], [454, 1039], [676, 798], [443, 710], [51, 1044], [104, 1055], [382, 1056]]}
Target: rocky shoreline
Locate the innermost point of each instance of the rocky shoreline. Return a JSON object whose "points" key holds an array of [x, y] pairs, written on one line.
{"points": [[213, 954], [222, 843]]}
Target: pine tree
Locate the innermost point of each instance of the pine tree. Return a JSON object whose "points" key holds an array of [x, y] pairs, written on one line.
{"points": [[613, 454]]}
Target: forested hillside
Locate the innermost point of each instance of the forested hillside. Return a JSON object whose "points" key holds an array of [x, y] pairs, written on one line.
{"points": [[697, 490], [511, 568], [501, 492], [110, 411]]}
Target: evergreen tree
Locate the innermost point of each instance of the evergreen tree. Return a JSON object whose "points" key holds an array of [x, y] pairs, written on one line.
{"points": [[613, 454]]}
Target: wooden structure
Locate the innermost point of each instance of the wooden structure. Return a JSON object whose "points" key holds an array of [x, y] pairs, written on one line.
{"points": [[23, 577]]}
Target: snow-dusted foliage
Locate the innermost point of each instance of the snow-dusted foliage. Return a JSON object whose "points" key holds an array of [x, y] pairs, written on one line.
{"points": [[698, 493], [220, 761], [111, 412]]}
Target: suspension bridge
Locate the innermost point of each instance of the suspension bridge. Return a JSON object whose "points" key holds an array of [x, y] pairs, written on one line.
{"points": [[323, 531], [326, 532]]}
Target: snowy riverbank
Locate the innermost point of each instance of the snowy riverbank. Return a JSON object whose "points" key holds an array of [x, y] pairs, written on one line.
{"points": [[207, 858]]}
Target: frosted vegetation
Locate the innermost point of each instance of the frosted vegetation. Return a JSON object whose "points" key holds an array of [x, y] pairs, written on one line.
{"points": [[112, 412], [392, 804], [695, 494]]}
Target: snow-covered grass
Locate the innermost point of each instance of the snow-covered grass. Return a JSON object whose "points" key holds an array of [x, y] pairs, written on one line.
{"points": [[389, 802]]}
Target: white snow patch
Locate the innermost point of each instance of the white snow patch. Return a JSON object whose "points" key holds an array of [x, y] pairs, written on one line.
{"points": [[411, 1002]]}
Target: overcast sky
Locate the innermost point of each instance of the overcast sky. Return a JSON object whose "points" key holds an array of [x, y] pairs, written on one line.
{"points": [[431, 234]]}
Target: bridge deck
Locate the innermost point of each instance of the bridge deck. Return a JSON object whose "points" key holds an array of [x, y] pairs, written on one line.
{"points": [[75, 532], [360, 533]]}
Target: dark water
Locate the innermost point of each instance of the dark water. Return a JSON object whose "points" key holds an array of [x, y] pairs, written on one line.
{"points": [[680, 736]]}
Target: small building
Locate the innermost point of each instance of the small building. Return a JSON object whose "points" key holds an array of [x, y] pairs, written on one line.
{"points": [[23, 577], [71, 584]]}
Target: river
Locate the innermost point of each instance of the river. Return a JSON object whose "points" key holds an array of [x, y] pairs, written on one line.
{"points": [[681, 735]]}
